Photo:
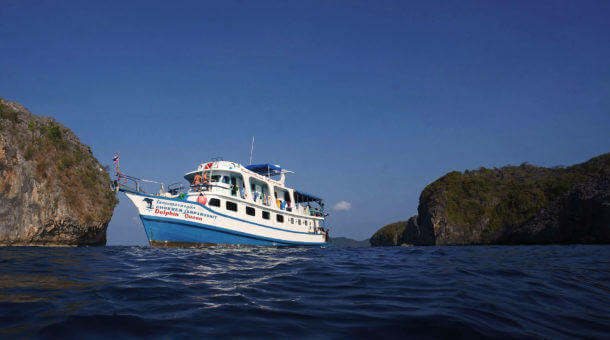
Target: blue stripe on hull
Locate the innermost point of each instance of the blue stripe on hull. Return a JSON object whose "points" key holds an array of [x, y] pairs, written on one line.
{"points": [[164, 229]]}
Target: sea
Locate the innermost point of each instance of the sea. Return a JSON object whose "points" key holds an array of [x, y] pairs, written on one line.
{"points": [[472, 292]]}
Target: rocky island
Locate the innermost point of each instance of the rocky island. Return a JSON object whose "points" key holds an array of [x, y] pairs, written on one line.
{"points": [[511, 205], [52, 189]]}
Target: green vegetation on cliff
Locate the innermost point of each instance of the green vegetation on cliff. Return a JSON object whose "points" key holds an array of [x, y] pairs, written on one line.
{"points": [[511, 205], [508, 196], [390, 235]]}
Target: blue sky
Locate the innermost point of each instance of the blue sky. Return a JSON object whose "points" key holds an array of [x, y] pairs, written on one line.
{"points": [[367, 101]]}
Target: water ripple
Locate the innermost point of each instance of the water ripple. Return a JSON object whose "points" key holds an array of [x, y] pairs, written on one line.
{"points": [[420, 292]]}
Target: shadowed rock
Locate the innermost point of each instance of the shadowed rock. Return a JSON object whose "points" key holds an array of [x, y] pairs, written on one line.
{"points": [[415, 235]]}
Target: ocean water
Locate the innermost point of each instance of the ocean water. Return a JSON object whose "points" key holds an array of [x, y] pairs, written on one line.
{"points": [[220, 292]]}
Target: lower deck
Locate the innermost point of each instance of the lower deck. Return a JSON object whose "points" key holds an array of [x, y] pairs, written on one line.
{"points": [[171, 220]]}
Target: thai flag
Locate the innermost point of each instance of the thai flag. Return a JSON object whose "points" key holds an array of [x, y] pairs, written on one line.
{"points": [[115, 159]]}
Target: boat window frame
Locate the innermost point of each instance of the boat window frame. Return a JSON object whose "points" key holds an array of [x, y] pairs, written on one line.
{"points": [[231, 203]]}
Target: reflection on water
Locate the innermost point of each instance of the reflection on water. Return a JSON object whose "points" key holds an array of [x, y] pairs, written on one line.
{"points": [[468, 292]]}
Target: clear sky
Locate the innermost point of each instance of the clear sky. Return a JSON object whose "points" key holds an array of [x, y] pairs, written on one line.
{"points": [[367, 101]]}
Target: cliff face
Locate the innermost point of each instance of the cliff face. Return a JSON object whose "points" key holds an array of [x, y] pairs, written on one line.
{"points": [[52, 190], [520, 205], [580, 216], [514, 205], [403, 233]]}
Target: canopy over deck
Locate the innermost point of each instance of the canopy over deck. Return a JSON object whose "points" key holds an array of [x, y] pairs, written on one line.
{"points": [[266, 169], [300, 197]]}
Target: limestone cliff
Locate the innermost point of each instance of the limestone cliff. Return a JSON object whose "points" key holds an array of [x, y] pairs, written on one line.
{"points": [[513, 205], [52, 189]]}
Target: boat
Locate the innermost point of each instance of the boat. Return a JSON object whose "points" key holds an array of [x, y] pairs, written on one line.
{"points": [[226, 203]]}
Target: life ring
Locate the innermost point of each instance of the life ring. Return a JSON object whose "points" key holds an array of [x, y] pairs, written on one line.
{"points": [[202, 199]]}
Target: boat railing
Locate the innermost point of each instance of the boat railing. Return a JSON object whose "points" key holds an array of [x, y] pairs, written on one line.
{"points": [[205, 187], [138, 184], [176, 188]]}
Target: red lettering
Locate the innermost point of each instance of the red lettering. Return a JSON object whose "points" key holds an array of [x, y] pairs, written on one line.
{"points": [[166, 213], [193, 217]]}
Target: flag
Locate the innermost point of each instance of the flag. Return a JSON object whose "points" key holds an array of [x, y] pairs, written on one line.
{"points": [[115, 159]]}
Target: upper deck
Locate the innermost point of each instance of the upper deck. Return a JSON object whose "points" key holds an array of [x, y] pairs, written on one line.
{"points": [[227, 166], [254, 184]]}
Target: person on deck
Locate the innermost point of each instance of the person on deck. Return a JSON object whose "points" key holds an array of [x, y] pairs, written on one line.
{"points": [[197, 180]]}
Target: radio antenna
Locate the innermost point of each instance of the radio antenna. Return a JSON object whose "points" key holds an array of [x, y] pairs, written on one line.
{"points": [[251, 150]]}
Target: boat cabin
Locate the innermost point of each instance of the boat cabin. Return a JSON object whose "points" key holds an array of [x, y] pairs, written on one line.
{"points": [[258, 185]]}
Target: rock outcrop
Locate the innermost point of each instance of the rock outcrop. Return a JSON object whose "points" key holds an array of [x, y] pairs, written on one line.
{"points": [[513, 205], [52, 189], [415, 235], [404, 233], [390, 235]]}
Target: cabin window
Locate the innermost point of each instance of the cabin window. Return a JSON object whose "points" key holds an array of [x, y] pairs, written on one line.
{"points": [[215, 178], [215, 202], [265, 215], [279, 218], [299, 220], [292, 220], [250, 211], [231, 206], [225, 179]]}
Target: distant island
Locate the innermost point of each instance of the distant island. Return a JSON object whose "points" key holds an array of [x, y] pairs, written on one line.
{"points": [[52, 189], [344, 242], [522, 204]]}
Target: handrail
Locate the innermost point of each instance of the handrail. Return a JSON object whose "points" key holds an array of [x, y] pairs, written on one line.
{"points": [[137, 181]]}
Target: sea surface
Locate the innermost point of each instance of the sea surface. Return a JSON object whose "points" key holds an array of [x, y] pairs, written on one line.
{"points": [[221, 292]]}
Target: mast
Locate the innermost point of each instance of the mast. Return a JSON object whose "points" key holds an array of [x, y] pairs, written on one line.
{"points": [[251, 150]]}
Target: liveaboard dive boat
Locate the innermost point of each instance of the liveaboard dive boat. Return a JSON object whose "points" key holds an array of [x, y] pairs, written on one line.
{"points": [[226, 203]]}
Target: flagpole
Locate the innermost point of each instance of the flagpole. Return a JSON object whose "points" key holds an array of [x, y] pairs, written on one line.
{"points": [[251, 150]]}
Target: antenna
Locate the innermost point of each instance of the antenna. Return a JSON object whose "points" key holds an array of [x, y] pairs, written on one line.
{"points": [[251, 150]]}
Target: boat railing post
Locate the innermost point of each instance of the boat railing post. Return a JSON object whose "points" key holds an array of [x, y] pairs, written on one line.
{"points": [[324, 215]]}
